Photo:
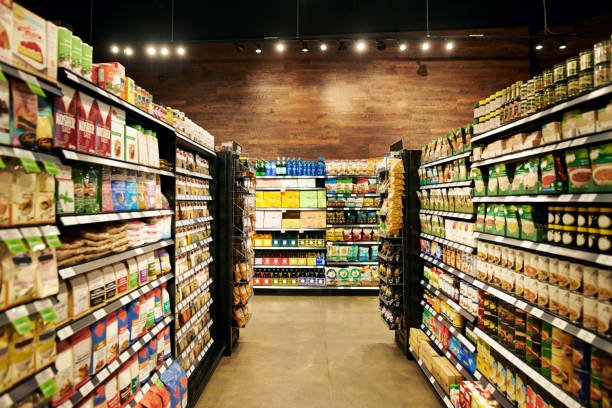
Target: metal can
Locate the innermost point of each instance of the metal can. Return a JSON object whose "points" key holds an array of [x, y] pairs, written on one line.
{"points": [[573, 86], [602, 52], [586, 81], [547, 78], [559, 72], [560, 91], [571, 67], [586, 59], [602, 74], [549, 96]]}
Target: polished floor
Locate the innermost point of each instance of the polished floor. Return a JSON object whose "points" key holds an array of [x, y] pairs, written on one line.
{"points": [[307, 351]]}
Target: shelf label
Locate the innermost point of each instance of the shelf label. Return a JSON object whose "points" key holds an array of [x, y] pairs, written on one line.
{"points": [[46, 383], [32, 83], [51, 167], [22, 324], [29, 165], [48, 314], [86, 388]]}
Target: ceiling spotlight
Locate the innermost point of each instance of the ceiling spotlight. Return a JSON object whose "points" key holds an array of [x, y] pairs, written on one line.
{"points": [[128, 51], [115, 49], [304, 47], [425, 46], [360, 46], [164, 51], [341, 46], [380, 45], [539, 46], [403, 46], [181, 51], [323, 46], [239, 47], [151, 50], [562, 44], [449, 45], [280, 47], [257, 48]]}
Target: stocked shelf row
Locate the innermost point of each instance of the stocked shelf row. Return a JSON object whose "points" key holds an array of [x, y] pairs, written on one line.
{"points": [[436, 386], [289, 248], [585, 198], [27, 387], [193, 271], [180, 305], [465, 183], [191, 197], [450, 214], [371, 288], [103, 161], [194, 342], [447, 159], [467, 343], [145, 388], [456, 245], [200, 357], [203, 310], [288, 266], [193, 221], [70, 220], [467, 315], [191, 247], [186, 172]]}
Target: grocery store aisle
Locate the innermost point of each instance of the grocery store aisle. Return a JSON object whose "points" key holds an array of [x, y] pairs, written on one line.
{"points": [[306, 351]]}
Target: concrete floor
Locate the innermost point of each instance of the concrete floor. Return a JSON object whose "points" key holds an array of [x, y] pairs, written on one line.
{"points": [[306, 351]]}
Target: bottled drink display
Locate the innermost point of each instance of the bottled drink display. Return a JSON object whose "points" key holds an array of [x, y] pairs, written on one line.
{"points": [[291, 167]]}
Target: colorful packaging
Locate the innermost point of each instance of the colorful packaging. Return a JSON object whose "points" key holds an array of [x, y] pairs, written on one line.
{"points": [[76, 55], [601, 165], [136, 323], [143, 363], [6, 20], [121, 274], [100, 116], [119, 188], [24, 110], [112, 392], [64, 47], [131, 146], [112, 337], [86, 60], [5, 115], [123, 329], [64, 109], [81, 356], [131, 190], [98, 343], [29, 44], [124, 380], [64, 375], [133, 273], [85, 129], [554, 178], [44, 125], [579, 170], [117, 141]]}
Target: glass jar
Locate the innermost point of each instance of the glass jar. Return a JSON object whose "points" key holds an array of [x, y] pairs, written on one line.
{"points": [[592, 225], [560, 91], [547, 78], [602, 52], [604, 221], [585, 84], [602, 74], [586, 59], [582, 236], [558, 73], [571, 67], [573, 87], [605, 241]]}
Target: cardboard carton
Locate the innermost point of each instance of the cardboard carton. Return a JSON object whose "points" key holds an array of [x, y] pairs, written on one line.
{"points": [[65, 119], [273, 219], [308, 199], [272, 199], [290, 199], [131, 144], [100, 117], [85, 129], [6, 33]]}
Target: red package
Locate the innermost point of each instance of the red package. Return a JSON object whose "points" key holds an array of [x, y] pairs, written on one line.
{"points": [[64, 110], [86, 135]]}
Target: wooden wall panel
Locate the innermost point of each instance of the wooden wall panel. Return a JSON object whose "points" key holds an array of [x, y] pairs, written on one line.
{"points": [[339, 106]]}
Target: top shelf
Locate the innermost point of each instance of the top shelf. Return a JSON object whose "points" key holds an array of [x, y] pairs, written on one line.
{"points": [[24, 76], [184, 141], [333, 176], [447, 159], [290, 177], [546, 113]]}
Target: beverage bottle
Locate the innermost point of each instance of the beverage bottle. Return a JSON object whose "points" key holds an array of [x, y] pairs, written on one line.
{"points": [[290, 167], [300, 167], [284, 165], [321, 167], [267, 168], [273, 168]]}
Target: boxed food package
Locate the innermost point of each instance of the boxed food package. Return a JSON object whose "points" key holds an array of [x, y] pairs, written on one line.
{"points": [[131, 144], [101, 119], [64, 47], [585, 122], [24, 111], [81, 356], [117, 150], [578, 169], [551, 132], [601, 166], [308, 199], [95, 281], [604, 118], [272, 219], [290, 199], [272, 199], [445, 373], [143, 146], [64, 374], [427, 355], [98, 346], [86, 131], [64, 109], [6, 33]]}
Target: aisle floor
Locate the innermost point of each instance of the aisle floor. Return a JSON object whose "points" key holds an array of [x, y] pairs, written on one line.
{"points": [[306, 351]]}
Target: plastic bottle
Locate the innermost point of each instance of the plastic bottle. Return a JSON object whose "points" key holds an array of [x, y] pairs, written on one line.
{"points": [[165, 299], [300, 167], [158, 311], [321, 167], [273, 168]]}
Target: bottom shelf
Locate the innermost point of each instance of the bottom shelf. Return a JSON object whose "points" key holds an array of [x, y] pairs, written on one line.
{"points": [[432, 380], [372, 288]]}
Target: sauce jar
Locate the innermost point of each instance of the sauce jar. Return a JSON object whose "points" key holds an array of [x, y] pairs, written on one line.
{"points": [[549, 96], [605, 218], [605, 241], [571, 67], [558, 73], [568, 221], [573, 87], [602, 52], [586, 59], [538, 83], [547, 78], [602, 74], [582, 231], [586, 81], [560, 91]]}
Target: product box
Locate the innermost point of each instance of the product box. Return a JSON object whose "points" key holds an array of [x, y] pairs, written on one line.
{"points": [[289, 183], [64, 190], [119, 189], [427, 354], [143, 146], [268, 183], [308, 199], [585, 122], [307, 182], [131, 146], [321, 199], [100, 114], [568, 125], [153, 150], [259, 219], [29, 47], [290, 199], [64, 47], [85, 129], [445, 373], [273, 219], [551, 132], [604, 119], [259, 198], [117, 141], [272, 199], [64, 109], [52, 51], [76, 55], [292, 220], [6, 22]]}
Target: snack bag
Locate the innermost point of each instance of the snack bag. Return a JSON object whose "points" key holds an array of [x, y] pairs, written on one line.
{"points": [[601, 165], [512, 225], [554, 177], [490, 219], [479, 185], [579, 170], [480, 218], [492, 184], [531, 180], [531, 227]]}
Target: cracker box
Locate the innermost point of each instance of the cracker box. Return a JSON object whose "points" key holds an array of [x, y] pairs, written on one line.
{"points": [[290, 199], [29, 47], [52, 56], [64, 111], [131, 146], [101, 120], [85, 129], [117, 148]]}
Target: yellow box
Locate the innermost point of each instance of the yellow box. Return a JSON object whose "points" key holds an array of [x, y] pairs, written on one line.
{"points": [[445, 373], [271, 199], [322, 199], [426, 354], [308, 199], [288, 223], [290, 199], [259, 199]]}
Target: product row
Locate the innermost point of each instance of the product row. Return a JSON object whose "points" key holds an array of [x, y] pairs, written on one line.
{"points": [[353, 202], [452, 230], [453, 143], [192, 162], [351, 235], [290, 199], [391, 213], [290, 219], [351, 185], [288, 167], [289, 240], [351, 217], [453, 257], [456, 170], [352, 253], [351, 167], [447, 199], [289, 258]]}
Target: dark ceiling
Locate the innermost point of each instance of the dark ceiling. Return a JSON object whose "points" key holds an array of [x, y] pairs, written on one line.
{"points": [[196, 20]]}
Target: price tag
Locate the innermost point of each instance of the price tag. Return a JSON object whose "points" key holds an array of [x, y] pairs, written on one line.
{"points": [[53, 241], [537, 312], [51, 167], [99, 314], [29, 165], [586, 335], [86, 388], [48, 314]]}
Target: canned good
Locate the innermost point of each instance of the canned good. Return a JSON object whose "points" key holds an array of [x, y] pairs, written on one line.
{"points": [[586, 81], [547, 78], [559, 72], [560, 91], [602, 74], [586, 59], [602, 52], [573, 87], [571, 67], [549, 96]]}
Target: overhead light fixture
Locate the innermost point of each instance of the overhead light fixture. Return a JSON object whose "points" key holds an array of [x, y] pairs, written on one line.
{"points": [[562, 44], [449, 45], [323, 46], [164, 51], [360, 46], [305, 47], [257, 48], [280, 47], [403, 46], [128, 51], [115, 49], [341, 46], [539, 46], [151, 50], [380, 45], [426, 45], [181, 51], [239, 47]]}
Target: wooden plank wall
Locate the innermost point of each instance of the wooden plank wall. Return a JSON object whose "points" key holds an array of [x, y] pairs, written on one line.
{"points": [[338, 105]]}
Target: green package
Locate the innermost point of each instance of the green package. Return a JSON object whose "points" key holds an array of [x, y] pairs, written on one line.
{"points": [[601, 165], [531, 179], [64, 47], [512, 224], [490, 219], [86, 60], [77, 51], [79, 189], [531, 227], [500, 220], [517, 181], [579, 170], [479, 185], [492, 185], [503, 183], [480, 218], [91, 190], [553, 178]]}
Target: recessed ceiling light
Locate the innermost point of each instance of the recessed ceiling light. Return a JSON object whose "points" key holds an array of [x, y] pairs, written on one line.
{"points": [[450, 45], [164, 51], [562, 45], [425, 46], [257, 48], [280, 47], [151, 50], [305, 47], [323, 46], [128, 51], [115, 49], [403, 46], [181, 51], [539, 46], [360, 46]]}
